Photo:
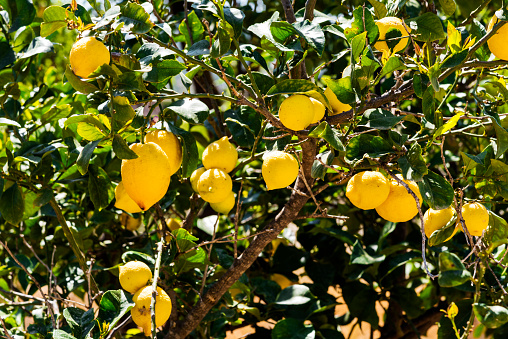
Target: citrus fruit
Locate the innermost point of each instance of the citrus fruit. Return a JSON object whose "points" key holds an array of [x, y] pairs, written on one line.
{"points": [[87, 54], [141, 311], [400, 206], [224, 206], [384, 25], [434, 220], [337, 106], [476, 217], [146, 178], [296, 112], [129, 222], [368, 189], [279, 169], [214, 185], [195, 177], [124, 201], [170, 145], [173, 224], [134, 275], [220, 154], [319, 110], [497, 42]]}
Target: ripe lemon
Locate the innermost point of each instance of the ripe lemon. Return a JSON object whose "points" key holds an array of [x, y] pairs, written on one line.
{"points": [[476, 218], [141, 311], [400, 205], [129, 222], [214, 185], [87, 54], [434, 220], [134, 275], [296, 112], [497, 42], [319, 110], [279, 169], [224, 206], [220, 154], [146, 178], [124, 201], [384, 25], [173, 223], [368, 190], [195, 177], [337, 106], [170, 145]]}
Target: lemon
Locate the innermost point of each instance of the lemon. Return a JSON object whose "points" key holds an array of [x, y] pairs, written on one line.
{"points": [[368, 190], [319, 110], [134, 275], [87, 54], [434, 220], [124, 201], [195, 177], [400, 206], [384, 25], [337, 106], [129, 222], [497, 42], [220, 154], [141, 311], [476, 217], [214, 185], [173, 223], [279, 169], [170, 145], [224, 206], [146, 178], [296, 112], [281, 280]]}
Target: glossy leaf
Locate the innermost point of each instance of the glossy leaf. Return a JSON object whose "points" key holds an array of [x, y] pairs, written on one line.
{"points": [[294, 295], [412, 164], [427, 27], [190, 110], [135, 18], [113, 306], [436, 191], [12, 205], [100, 188], [366, 146], [293, 328], [329, 134], [121, 148], [491, 316]]}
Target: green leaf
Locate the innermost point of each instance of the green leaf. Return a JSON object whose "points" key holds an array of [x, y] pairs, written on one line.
{"points": [[7, 55], [455, 59], [379, 8], [294, 329], [85, 155], [191, 110], [39, 45], [413, 165], [100, 188], [194, 259], [135, 18], [193, 25], [123, 112], [244, 124], [471, 161], [294, 295], [23, 37], [392, 64], [358, 45], [436, 191], [360, 257], [80, 322], [55, 18], [444, 233], [97, 6], [343, 89], [234, 17], [491, 316], [502, 138], [318, 170], [9, 122], [59, 334], [452, 271], [78, 84], [202, 47], [497, 230], [448, 6], [379, 119], [329, 134], [362, 17], [21, 12], [185, 240], [312, 34], [429, 104], [366, 146], [450, 124], [454, 39], [121, 149], [12, 205], [89, 132], [221, 44], [478, 31], [163, 70], [291, 86], [427, 27], [43, 197], [140, 256], [114, 305]]}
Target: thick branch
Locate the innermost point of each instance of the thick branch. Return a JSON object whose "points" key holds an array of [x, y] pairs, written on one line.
{"points": [[288, 10], [309, 10]]}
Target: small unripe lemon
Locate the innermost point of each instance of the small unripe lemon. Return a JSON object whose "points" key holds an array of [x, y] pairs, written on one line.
{"points": [[296, 112], [319, 110], [279, 169], [497, 42], [130, 223], [224, 206], [195, 177], [220, 154], [214, 185], [87, 54], [170, 145], [434, 220], [124, 201], [134, 275], [476, 217], [141, 314], [400, 206], [384, 25], [337, 106], [368, 189]]}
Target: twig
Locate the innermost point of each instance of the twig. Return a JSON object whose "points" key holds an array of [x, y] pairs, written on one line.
{"points": [[205, 273], [237, 221], [471, 16], [324, 215], [118, 327], [309, 10], [5, 329], [154, 286]]}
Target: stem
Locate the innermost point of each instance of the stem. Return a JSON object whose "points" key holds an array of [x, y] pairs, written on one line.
{"points": [[154, 285]]}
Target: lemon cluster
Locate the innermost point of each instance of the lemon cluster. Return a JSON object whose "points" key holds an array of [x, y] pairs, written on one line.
{"points": [[134, 278], [212, 182], [146, 179]]}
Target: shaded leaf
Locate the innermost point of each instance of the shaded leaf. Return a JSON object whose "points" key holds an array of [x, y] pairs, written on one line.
{"points": [[436, 191], [113, 306], [294, 329], [100, 188], [412, 164], [427, 27], [12, 205], [135, 18], [366, 146], [190, 110]]}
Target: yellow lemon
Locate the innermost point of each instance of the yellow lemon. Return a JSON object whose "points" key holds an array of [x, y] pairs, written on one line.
{"points": [[296, 112], [134, 275], [141, 311], [195, 177], [384, 26], [124, 201], [173, 223], [214, 185], [476, 218], [224, 206], [497, 42], [337, 106], [400, 206], [170, 145], [368, 190], [87, 54], [220, 154], [434, 220], [319, 110], [129, 222], [279, 169]]}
